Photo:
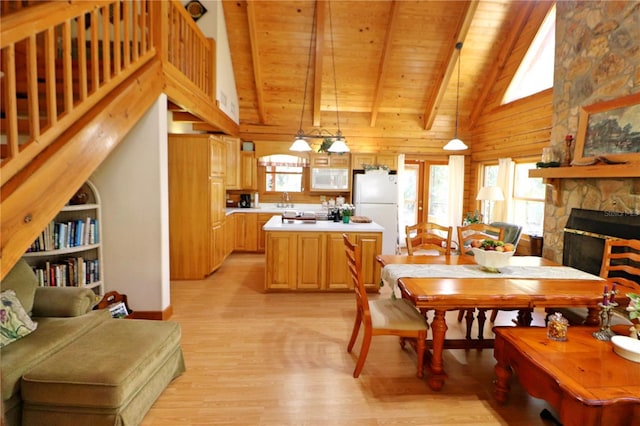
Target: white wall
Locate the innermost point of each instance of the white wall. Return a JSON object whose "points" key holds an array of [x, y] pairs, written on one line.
{"points": [[133, 185]]}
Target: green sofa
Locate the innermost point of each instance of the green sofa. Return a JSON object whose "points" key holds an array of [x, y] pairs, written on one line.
{"points": [[80, 366]]}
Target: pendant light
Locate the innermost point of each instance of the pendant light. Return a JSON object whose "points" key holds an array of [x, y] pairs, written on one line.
{"points": [[456, 144], [300, 143]]}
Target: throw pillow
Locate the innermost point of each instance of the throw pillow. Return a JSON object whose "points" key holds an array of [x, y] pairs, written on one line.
{"points": [[14, 321]]}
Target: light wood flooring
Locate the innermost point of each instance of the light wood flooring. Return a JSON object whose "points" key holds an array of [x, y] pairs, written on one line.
{"points": [[256, 358]]}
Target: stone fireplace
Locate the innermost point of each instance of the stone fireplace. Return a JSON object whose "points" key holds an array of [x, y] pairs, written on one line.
{"points": [[597, 59]]}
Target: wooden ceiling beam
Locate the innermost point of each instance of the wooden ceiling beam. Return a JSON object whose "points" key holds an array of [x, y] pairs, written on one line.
{"points": [[319, 52], [383, 65], [516, 28], [433, 104], [255, 58]]}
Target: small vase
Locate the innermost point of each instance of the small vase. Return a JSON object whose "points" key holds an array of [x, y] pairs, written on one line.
{"points": [[345, 219]]}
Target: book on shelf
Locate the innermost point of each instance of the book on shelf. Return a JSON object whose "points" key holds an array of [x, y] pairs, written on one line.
{"points": [[70, 234], [70, 272]]}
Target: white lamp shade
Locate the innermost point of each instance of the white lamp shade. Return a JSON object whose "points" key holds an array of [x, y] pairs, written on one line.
{"points": [[338, 146], [490, 193], [300, 145], [455, 145]]}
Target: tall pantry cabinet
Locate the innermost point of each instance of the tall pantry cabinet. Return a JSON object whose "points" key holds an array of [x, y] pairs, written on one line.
{"points": [[197, 204]]}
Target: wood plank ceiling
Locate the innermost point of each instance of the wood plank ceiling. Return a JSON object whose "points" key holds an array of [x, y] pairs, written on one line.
{"points": [[395, 67]]}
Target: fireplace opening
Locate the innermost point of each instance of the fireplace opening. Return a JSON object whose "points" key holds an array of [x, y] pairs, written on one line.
{"points": [[586, 231]]}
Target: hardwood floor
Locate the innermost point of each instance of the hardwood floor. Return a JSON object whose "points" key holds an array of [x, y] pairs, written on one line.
{"points": [[280, 359]]}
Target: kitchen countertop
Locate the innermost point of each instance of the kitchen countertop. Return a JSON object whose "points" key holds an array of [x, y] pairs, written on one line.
{"points": [[276, 224], [273, 208]]}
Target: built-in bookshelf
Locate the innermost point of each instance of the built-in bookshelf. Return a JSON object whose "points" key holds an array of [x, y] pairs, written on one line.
{"points": [[68, 252]]}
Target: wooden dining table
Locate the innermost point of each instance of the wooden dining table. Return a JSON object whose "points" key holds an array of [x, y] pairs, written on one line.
{"points": [[491, 291]]}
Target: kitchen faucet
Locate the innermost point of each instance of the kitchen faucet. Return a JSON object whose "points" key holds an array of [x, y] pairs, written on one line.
{"points": [[286, 200]]}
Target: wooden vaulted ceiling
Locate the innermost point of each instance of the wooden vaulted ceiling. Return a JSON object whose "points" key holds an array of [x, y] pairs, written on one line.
{"points": [[395, 66]]}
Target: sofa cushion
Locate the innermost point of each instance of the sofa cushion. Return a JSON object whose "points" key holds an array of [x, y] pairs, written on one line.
{"points": [[23, 281], [52, 335], [125, 365], [14, 321]]}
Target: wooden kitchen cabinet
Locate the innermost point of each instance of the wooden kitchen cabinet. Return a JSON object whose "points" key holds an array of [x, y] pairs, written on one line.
{"points": [[249, 170], [262, 219], [246, 235], [229, 230], [233, 165], [359, 161], [311, 264], [196, 204], [280, 261], [337, 273], [317, 261]]}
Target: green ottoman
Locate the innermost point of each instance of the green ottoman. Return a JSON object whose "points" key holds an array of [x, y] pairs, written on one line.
{"points": [[110, 376]]}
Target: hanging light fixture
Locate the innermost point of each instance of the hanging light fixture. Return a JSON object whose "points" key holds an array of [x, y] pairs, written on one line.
{"points": [[456, 144], [300, 143]]}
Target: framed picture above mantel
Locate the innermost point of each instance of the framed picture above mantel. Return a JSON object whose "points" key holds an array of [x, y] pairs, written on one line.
{"points": [[609, 131]]}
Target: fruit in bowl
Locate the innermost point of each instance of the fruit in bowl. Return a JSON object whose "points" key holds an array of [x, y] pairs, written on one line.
{"points": [[491, 254]]}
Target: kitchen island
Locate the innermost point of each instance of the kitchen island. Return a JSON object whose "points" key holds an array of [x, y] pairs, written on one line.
{"points": [[309, 255]]}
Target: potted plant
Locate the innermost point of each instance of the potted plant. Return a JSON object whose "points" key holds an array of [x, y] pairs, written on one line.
{"points": [[470, 218], [634, 312], [347, 210]]}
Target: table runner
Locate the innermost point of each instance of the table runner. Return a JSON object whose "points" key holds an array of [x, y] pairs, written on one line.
{"points": [[391, 273]]}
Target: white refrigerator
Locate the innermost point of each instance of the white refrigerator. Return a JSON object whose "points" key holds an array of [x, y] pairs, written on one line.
{"points": [[376, 196]]}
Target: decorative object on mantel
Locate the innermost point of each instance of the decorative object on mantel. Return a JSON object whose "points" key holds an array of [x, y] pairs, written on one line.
{"points": [[548, 158], [195, 9], [566, 158], [610, 128], [597, 160], [606, 311]]}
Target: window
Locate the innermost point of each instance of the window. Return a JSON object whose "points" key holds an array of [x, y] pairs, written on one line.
{"points": [[489, 178], [535, 73], [526, 203], [283, 173], [528, 200]]}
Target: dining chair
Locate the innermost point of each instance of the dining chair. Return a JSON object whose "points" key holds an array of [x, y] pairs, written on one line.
{"points": [[477, 231], [512, 234], [466, 234], [382, 317], [428, 237], [620, 265]]}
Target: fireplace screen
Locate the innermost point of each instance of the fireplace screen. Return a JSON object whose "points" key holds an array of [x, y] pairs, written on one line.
{"points": [[586, 231]]}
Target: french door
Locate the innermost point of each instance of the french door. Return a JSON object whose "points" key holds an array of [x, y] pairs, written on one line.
{"points": [[425, 193]]}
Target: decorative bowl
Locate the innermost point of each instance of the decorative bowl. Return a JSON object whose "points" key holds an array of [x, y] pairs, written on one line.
{"points": [[491, 260], [626, 347]]}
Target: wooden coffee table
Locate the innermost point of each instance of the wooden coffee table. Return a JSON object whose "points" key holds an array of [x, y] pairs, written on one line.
{"points": [[582, 379]]}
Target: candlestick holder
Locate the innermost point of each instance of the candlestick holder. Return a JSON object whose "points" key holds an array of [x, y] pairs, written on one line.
{"points": [[606, 312]]}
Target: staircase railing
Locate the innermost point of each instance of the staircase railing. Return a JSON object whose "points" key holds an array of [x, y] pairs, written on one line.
{"points": [[59, 59], [75, 78]]}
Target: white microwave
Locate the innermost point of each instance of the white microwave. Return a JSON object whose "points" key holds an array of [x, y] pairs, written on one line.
{"points": [[328, 179]]}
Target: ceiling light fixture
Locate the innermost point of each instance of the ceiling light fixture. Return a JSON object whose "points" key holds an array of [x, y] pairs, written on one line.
{"points": [[300, 143], [456, 144]]}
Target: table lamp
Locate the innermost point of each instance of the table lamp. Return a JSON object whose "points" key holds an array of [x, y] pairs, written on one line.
{"points": [[490, 194]]}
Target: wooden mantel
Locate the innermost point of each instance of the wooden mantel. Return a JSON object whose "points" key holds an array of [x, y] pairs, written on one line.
{"points": [[552, 175]]}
